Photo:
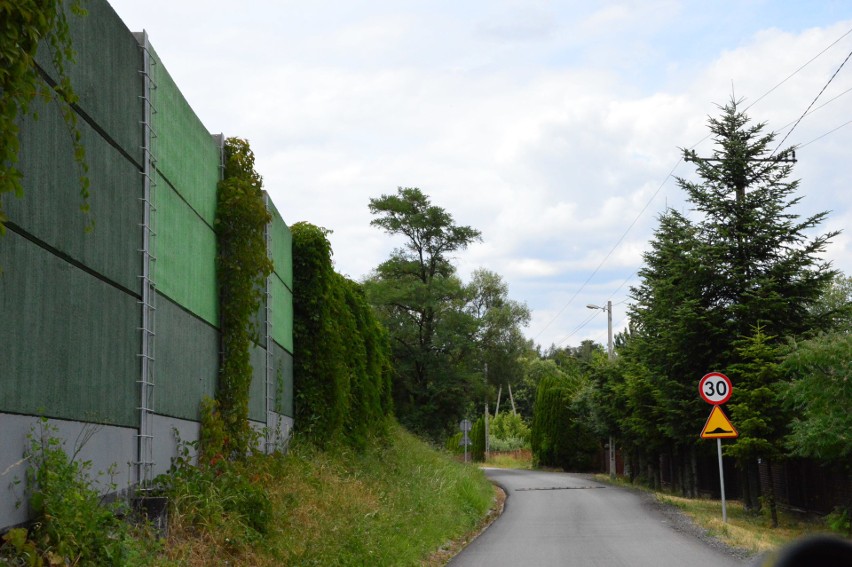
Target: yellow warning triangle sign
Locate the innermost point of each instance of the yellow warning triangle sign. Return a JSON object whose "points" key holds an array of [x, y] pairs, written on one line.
{"points": [[718, 426]]}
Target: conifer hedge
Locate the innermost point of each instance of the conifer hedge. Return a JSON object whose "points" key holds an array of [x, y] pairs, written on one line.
{"points": [[341, 352], [477, 440], [560, 437]]}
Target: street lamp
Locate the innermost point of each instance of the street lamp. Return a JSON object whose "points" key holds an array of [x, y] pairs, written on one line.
{"points": [[609, 354], [608, 310]]}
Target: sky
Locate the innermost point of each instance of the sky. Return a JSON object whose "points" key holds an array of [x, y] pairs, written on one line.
{"points": [[554, 128]]}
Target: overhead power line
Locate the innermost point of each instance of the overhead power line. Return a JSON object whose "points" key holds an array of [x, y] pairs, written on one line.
{"points": [[813, 102], [826, 134], [671, 172], [605, 258], [791, 75]]}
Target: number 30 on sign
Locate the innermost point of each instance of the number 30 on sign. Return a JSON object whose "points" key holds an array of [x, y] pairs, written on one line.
{"points": [[715, 388]]}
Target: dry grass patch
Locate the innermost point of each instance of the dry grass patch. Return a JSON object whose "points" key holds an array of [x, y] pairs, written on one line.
{"points": [[744, 530], [520, 459]]}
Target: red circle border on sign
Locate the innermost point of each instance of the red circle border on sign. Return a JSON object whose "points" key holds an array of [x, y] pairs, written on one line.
{"points": [[715, 375]]}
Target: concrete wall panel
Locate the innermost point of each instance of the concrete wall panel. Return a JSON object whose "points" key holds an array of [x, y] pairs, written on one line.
{"points": [[105, 446]]}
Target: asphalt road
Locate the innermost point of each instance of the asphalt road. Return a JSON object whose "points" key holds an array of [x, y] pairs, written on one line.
{"points": [[566, 519]]}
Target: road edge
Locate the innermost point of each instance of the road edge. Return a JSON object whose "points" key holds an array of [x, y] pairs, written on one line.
{"points": [[450, 549]]}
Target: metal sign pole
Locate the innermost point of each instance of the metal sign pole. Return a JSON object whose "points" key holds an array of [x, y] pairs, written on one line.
{"points": [[722, 481], [715, 388]]}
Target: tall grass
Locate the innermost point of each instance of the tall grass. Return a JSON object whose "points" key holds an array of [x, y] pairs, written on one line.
{"points": [[392, 504]]}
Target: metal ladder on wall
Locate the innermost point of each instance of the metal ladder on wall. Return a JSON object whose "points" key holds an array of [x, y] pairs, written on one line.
{"points": [[271, 414], [145, 460]]}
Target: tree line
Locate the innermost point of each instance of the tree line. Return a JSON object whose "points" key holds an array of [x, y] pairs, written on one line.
{"points": [[739, 286], [742, 289]]}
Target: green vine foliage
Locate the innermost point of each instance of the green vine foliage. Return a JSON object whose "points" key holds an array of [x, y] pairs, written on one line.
{"points": [[242, 266], [341, 359], [25, 26]]}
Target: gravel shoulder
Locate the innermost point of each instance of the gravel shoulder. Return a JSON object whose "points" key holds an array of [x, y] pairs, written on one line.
{"points": [[679, 521]]}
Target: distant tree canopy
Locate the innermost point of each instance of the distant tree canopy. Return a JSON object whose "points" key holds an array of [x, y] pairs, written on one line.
{"points": [[443, 332]]}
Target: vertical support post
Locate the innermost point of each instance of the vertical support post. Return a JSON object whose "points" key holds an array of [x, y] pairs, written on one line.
{"points": [[271, 416], [145, 446], [609, 354], [722, 481], [487, 447], [464, 440]]}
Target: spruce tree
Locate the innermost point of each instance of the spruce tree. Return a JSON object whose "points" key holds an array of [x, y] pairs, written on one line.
{"points": [[746, 261], [766, 269]]}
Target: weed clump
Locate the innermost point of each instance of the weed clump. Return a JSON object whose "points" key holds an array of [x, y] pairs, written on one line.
{"points": [[72, 522]]}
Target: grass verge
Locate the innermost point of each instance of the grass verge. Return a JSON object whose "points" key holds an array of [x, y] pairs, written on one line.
{"points": [[747, 531], [750, 531], [393, 504], [520, 459]]}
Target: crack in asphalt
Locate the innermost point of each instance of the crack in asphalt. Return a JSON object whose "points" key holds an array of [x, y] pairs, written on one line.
{"points": [[558, 488]]}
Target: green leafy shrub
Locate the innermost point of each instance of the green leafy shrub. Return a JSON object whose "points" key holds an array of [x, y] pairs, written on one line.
{"points": [[509, 426], [477, 440], [840, 521], [72, 525], [453, 444], [500, 444], [219, 496], [341, 362]]}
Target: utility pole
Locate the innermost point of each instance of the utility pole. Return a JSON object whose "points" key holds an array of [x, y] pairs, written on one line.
{"points": [[485, 376], [497, 408], [609, 354]]}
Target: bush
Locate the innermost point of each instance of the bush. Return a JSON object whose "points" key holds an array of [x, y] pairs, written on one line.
{"points": [[341, 358], [840, 521], [218, 497], [509, 426], [498, 444], [72, 525], [477, 440]]}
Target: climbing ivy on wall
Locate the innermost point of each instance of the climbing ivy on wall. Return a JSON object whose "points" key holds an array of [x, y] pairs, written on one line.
{"points": [[25, 26], [341, 352], [242, 266]]}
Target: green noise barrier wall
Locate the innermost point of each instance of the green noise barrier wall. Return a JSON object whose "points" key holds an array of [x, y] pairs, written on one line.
{"points": [[70, 301]]}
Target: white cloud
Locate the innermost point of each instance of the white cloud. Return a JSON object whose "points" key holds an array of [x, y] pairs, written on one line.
{"points": [[550, 128]]}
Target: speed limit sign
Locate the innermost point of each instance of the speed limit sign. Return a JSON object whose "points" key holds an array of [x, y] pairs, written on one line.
{"points": [[715, 388]]}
